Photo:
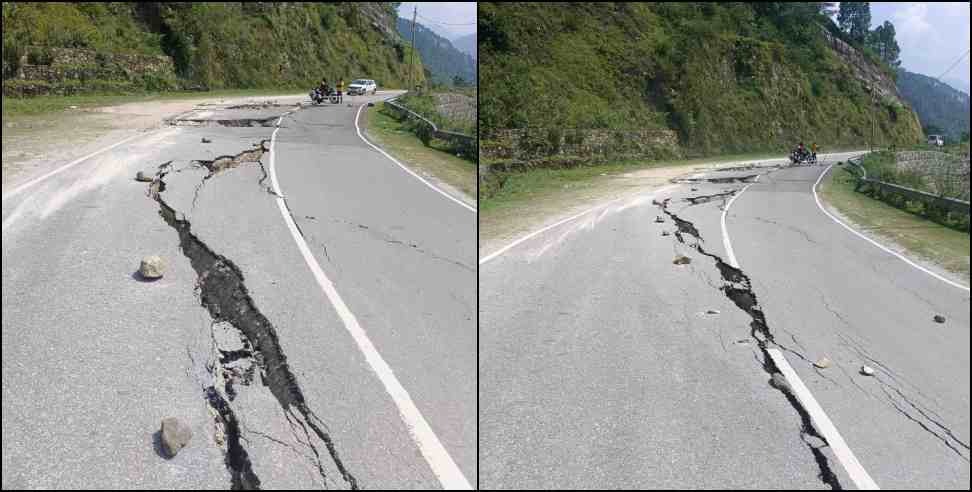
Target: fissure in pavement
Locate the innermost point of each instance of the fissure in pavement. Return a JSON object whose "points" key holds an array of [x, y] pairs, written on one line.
{"points": [[223, 292], [738, 288]]}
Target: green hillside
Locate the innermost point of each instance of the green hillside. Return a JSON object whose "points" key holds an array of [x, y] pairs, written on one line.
{"points": [[205, 45], [438, 54], [725, 77], [940, 108]]}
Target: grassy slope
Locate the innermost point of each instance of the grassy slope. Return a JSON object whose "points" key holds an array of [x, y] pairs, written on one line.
{"points": [[395, 138], [727, 80], [922, 238], [224, 45]]}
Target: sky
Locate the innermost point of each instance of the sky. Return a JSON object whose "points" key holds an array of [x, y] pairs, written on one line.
{"points": [[932, 36], [448, 19]]}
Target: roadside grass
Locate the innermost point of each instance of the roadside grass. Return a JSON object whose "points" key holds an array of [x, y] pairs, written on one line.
{"points": [[521, 188], [923, 238], [14, 107], [435, 159]]}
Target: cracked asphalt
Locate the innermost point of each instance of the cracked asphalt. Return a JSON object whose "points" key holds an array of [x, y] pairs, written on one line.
{"points": [[94, 357], [605, 365]]}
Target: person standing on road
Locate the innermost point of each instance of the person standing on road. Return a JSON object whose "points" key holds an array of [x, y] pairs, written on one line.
{"points": [[813, 151]]}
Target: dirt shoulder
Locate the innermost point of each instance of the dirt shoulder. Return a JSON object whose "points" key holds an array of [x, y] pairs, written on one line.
{"points": [[36, 143]]}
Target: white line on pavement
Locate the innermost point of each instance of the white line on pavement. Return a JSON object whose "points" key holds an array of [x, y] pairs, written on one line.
{"points": [[875, 243], [420, 178], [73, 163], [820, 420], [725, 232], [823, 424], [560, 222], [443, 466]]}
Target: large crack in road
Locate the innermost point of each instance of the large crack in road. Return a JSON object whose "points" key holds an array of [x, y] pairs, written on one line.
{"points": [[222, 291], [738, 288]]}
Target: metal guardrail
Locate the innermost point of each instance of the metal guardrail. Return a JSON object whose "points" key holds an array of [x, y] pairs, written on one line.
{"points": [[950, 204], [466, 142]]}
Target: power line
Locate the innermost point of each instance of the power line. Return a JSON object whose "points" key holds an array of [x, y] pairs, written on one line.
{"points": [[953, 65], [446, 23]]}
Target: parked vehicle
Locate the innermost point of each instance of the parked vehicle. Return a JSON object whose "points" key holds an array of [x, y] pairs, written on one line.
{"points": [[362, 86], [804, 156], [318, 96], [936, 140]]}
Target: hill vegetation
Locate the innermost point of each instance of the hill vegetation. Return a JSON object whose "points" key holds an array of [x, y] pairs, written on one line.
{"points": [[726, 77], [941, 109], [212, 45], [441, 58]]}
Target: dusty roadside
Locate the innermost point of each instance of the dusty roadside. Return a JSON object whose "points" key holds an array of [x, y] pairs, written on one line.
{"points": [[35, 144]]}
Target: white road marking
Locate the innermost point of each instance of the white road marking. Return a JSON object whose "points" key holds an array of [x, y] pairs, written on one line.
{"points": [[824, 426], [730, 256], [820, 420], [442, 465], [420, 178], [73, 163], [561, 222], [875, 243]]}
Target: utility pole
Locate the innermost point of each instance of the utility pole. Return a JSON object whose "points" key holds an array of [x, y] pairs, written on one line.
{"points": [[411, 56]]}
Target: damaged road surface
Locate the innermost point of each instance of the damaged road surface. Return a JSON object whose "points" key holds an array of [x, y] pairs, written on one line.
{"points": [[615, 367], [237, 339]]}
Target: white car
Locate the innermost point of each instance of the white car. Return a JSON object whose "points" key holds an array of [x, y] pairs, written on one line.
{"points": [[362, 86]]}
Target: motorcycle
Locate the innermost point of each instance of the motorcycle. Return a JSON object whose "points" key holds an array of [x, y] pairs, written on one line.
{"points": [[318, 96], [798, 157]]}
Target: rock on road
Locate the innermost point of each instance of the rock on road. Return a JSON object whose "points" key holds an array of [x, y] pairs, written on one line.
{"points": [[605, 365], [237, 338]]}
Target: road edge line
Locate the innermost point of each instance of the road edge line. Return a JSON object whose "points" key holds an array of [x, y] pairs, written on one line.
{"points": [[22, 187], [420, 178], [875, 243], [563, 221], [435, 454], [823, 424]]}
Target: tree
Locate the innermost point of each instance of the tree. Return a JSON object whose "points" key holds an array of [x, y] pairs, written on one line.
{"points": [[882, 41], [854, 19]]}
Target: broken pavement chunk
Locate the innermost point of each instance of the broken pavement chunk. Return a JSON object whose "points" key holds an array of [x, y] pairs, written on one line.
{"points": [[939, 318], [681, 260], [867, 370], [141, 176], [779, 382], [175, 435], [152, 267], [206, 140], [822, 363]]}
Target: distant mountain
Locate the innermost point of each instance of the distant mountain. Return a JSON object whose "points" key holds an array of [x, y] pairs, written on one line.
{"points": [[466, 44], [442, 59], [937, 103], [955, 82]]}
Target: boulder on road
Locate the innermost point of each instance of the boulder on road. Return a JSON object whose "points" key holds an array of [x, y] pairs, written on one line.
{"points": [[142, 176], [152, 267], [175, 435]]}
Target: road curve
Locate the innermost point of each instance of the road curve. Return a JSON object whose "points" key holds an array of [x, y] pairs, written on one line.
{"points": [[605, 365], [237, 339]]}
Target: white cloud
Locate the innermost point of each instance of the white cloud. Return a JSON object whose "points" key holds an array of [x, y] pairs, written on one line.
{"points": [[932, 36]]}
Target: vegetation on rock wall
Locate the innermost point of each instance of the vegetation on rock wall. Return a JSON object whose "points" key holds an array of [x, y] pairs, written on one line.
{"points": [[727, 77], [221, 45]]}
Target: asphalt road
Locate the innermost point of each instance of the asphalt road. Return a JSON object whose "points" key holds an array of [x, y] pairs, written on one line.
{"points": [[605, 365], [238, 339]]}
